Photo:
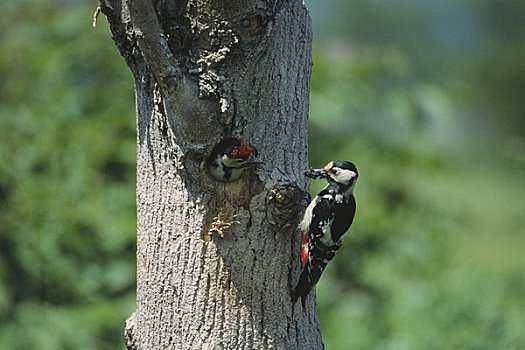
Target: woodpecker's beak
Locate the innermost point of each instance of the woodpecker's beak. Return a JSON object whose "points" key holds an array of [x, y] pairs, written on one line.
{"points": [[253, 161], [316, 173]]}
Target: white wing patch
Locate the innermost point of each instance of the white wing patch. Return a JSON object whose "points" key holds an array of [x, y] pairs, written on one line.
{"points": [[329, 196], [327, 234]]}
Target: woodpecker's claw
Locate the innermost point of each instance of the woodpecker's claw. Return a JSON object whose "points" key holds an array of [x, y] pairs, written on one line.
{"points": [[316, 173]]}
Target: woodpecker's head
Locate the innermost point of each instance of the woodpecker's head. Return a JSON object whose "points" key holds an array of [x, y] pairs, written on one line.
{"points": [[339, 172], [230, 157]]}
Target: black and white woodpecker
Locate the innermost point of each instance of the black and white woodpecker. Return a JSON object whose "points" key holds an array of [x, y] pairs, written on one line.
{"points": [[230, 158], [325, 221]]}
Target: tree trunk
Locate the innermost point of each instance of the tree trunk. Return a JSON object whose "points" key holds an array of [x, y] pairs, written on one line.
{"points": [[216, 261]]}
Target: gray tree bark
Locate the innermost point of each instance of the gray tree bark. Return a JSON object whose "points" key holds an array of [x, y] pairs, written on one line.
{"points": [[216, 261]]}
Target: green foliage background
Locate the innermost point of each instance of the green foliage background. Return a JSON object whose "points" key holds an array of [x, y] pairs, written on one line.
{"points": [[426, 98]]}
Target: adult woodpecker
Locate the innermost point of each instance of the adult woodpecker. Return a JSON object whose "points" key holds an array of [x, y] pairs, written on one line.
{"points": [[325, 221], [230, 158]]}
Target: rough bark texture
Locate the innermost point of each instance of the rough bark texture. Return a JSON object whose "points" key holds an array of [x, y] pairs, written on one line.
{"points": [[216, 261]]}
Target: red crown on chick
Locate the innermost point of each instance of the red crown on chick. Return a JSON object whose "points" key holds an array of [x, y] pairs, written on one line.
{"points": [[243, 151]]}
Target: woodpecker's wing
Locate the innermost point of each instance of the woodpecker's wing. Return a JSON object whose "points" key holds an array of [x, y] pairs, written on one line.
{"points": [[321, 248], [344, 216], [321, 244], [323, 216]]}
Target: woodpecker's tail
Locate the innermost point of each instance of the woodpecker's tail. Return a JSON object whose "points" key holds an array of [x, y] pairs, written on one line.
{"points": [[302, 289]]}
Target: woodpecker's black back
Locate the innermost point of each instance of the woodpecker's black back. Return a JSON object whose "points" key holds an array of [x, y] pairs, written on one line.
{"points": [[327, 218]]}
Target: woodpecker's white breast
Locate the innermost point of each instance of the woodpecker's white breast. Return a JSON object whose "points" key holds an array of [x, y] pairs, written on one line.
{"points": [[307, 218]]}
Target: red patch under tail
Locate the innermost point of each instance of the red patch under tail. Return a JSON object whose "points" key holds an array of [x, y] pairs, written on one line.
{"points": [[304, 248]]}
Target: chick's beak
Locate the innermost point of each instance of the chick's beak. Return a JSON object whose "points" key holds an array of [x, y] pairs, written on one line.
{"points": [[253, 161]]}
